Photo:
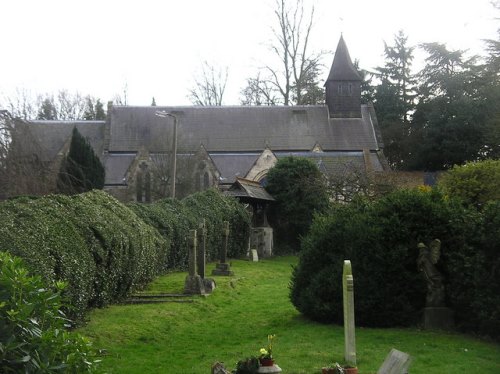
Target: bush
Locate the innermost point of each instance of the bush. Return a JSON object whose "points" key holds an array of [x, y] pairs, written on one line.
{"points": [[475, 183], [380, 239], [174, 218], [91, 241], [300, 190], [32, 327]]}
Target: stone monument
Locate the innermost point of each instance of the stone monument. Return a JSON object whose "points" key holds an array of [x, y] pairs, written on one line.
{"points": [[194, 283], [436, 314], [223, 268], [396, 362], [349, 325]]}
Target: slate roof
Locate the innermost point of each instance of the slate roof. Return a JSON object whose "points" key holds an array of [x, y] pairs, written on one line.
{"points": [[248, 189], [335, 163], [240, 129], [52, 135], [342, 68], [116, 166], [232, 165]]}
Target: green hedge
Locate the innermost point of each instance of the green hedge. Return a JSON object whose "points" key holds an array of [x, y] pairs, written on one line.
{"points": [[173, 219], [104, 250], [97, 245], [380, 239]]}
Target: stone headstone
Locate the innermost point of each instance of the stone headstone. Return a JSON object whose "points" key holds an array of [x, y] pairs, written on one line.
{"points": [[254, 255], [193, 283], [396, 362], [349, 325]]}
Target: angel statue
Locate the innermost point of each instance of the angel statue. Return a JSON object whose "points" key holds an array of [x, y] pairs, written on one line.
{"points": [[427, 259]]}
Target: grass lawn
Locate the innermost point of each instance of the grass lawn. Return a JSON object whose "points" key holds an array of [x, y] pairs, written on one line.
{"points": [[233, 323]]}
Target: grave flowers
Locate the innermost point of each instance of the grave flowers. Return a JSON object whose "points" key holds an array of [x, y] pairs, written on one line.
{"points": [[266, 354]]}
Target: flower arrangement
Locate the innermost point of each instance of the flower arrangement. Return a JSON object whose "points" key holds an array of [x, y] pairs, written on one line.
{"points": [[267, 352]]}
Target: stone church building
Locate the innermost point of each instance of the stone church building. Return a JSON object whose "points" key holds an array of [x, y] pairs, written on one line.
{"points": [[216, 145]]}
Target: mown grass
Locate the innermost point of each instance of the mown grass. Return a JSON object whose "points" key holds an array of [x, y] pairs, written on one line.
{"points": [[233, 323]]}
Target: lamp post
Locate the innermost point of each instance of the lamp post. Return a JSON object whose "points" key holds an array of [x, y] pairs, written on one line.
{"points": [[164, 114]]}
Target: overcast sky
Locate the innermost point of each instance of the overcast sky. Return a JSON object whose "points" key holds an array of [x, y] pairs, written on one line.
{"points": [[156, 47]]}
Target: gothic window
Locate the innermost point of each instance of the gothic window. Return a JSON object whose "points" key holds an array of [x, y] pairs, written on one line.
{"points": [[143, 184], [206, 180], [349, 92]]}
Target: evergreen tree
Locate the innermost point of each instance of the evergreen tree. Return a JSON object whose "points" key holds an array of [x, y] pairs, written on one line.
{"points": [[47, 110], [397, 78], [450, 122], [89, 114], [81, 169], [153, 102], [100, 114], [395, 99]]}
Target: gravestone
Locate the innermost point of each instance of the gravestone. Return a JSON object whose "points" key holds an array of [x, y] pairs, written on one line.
{"points": [[349, 325], [193, 284], [223, 268], [200, 258], [396, 362], [254, 255]]}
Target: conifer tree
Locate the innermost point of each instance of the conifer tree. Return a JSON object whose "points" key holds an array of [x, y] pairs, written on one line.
{"points": [[81, 169]]}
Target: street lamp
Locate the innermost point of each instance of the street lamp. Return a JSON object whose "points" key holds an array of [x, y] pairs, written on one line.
{"points": [[164, 114]]}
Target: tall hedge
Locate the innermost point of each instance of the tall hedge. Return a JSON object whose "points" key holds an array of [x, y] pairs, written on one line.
{"points": [[93, 242], [174, 218], [380, 239]]}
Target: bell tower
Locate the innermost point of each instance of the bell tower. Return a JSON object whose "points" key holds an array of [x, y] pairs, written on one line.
{"points": [[343, 86]]}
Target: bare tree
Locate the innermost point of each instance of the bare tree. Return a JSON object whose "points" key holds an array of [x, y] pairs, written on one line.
{"points": [[22, 105], [295, 78], [210, 86], [258, 92]]}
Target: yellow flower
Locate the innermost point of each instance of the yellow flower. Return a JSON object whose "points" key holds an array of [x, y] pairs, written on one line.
{"points": [[263, 351]]}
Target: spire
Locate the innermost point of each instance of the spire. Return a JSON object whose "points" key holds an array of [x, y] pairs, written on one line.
{"points": [[342, 68]]}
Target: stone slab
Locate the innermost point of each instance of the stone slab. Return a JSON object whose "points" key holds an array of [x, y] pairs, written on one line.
{"points": [[269, 369], [222, 269], [396, 362], [193, 285], [439, 318]]}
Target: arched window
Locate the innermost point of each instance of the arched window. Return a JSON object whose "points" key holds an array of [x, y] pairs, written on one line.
{"points": [[206, 180]]}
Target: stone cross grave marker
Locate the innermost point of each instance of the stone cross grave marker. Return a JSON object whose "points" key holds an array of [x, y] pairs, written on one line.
{"points": [[193, 283], [396, 362], [201, 256], [223, 268], [349, 325]]}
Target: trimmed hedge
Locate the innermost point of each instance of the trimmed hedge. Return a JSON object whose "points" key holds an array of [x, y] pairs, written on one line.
{"points": [[380, 239], [94, 243], [104, 250], [173, 219]]}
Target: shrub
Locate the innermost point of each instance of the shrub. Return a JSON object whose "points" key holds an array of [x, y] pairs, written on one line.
{"points": [[380, 239], [32, 326], [475, 183], [300, 190]]}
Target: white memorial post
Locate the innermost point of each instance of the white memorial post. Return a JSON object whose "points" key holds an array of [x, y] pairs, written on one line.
{"points": [[349, 335]]}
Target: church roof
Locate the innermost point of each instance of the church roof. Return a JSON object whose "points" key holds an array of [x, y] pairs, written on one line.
{"points": [[245, 188], [342, 68], [52, 135], [240, 129]]}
